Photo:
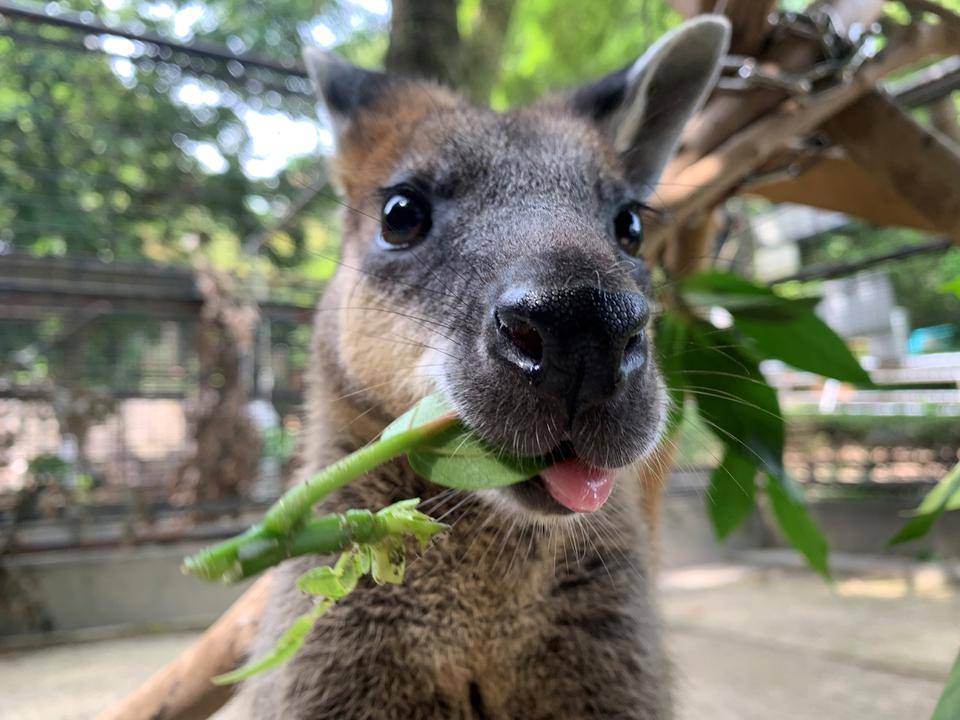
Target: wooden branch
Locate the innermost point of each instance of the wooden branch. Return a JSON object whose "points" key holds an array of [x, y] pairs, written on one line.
{"points": [[726, 113], [921, 166], [841, 185], [943, 117], [687, 8], [691, 251], [929, 85], [846, 269], [750, 20], [482, 49], [687, 190], [182, 690]]}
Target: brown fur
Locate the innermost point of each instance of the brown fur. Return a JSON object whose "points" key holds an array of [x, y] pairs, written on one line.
{"points": [[512, 613], [502, 618], [495, 620]]}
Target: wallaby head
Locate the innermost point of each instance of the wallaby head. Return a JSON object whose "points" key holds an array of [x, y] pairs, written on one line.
{"points": [[498, 257]]}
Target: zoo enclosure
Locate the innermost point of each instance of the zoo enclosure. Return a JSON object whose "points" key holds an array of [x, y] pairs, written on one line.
{"points": [[88, 312]]}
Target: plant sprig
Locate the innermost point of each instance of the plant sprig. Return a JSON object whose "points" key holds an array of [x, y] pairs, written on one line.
{"points": [[438, 447], [380, 553]]}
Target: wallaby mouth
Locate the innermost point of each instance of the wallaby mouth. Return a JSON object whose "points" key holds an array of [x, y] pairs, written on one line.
{"points": [[577, 486], [568, 485]]}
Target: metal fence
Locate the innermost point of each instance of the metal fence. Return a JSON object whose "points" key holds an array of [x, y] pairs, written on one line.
{"points": [[103, 385]]}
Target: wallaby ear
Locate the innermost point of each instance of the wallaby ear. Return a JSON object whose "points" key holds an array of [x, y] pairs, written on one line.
{"points": [[644, 107], [343, 89]]}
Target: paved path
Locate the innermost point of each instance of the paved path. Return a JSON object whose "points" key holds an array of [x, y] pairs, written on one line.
{"points": [[749, 644], [772, 644]]}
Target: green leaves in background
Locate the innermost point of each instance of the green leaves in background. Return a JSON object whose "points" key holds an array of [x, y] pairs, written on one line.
{"points": [[732, 492], [952, 287], [671, 340], [944, 496], [740, 407], [732, 395], [781, 328], [949, 706], [720, 369], [796, 524]]}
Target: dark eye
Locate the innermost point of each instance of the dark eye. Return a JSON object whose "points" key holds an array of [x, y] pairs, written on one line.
{"points": [[405, 218], [628, 228]]}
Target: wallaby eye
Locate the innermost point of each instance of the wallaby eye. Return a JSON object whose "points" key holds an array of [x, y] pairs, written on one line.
{"points": [[405, 218], [628, 228]]}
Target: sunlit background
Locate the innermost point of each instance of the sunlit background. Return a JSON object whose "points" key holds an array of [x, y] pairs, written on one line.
{"points": [[166, 226]]}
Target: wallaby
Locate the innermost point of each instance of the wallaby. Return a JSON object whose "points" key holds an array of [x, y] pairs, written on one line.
{"points": [[496, 258]]}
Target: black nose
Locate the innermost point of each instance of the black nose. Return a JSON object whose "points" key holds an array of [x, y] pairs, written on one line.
{"points": [[577, 345]]}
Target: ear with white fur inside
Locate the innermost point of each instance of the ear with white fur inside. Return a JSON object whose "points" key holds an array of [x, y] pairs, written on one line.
{"points": [[644, 107]]}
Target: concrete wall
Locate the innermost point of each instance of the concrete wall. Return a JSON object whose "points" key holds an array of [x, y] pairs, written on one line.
{"points": [[866, 525], [136, 589], [142, 588], [687, 537]]}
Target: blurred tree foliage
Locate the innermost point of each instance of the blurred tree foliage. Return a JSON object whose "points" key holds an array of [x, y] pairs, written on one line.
{"points": [[554, 44], [131, 154], [128, 154], [134, 155]]}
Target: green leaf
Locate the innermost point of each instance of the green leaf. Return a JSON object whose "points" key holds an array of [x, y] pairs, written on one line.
{"points": [[944, 496], [388, 561], [952, 286], [334, 582], [403, 518], [457, 458], [949, 706], [732, 492], [806, 342], [324, 581], [786, 329], [286, 647], [733, 397], [726, 290], [798, 527], [670, 339], [430, 409]]}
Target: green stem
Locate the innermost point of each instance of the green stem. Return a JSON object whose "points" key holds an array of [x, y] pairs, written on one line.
{"points": [[239, 556], [291, 508], [322, 536]]}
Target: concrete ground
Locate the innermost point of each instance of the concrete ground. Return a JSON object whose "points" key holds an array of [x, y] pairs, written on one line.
{"points": [[751, 641]]}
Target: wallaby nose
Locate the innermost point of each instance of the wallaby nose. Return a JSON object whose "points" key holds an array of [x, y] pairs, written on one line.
{"points": [[578, 345]]}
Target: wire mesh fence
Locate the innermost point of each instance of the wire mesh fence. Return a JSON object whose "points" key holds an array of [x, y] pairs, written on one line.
{"points": [[134, 158]]}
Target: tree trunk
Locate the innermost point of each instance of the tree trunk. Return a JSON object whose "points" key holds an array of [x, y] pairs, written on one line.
{"points": [[426, 42]]}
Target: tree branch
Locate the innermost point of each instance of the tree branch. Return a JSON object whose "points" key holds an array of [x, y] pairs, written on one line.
{"points": [[689, 189], [424, 40], [182, 690], [922, 166]]}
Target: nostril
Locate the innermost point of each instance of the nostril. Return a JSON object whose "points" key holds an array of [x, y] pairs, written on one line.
{"points": [[523, 336], [634, 354]]}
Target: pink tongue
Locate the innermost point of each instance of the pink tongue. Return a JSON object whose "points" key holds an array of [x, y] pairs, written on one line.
{"points": [[578, 486]]}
